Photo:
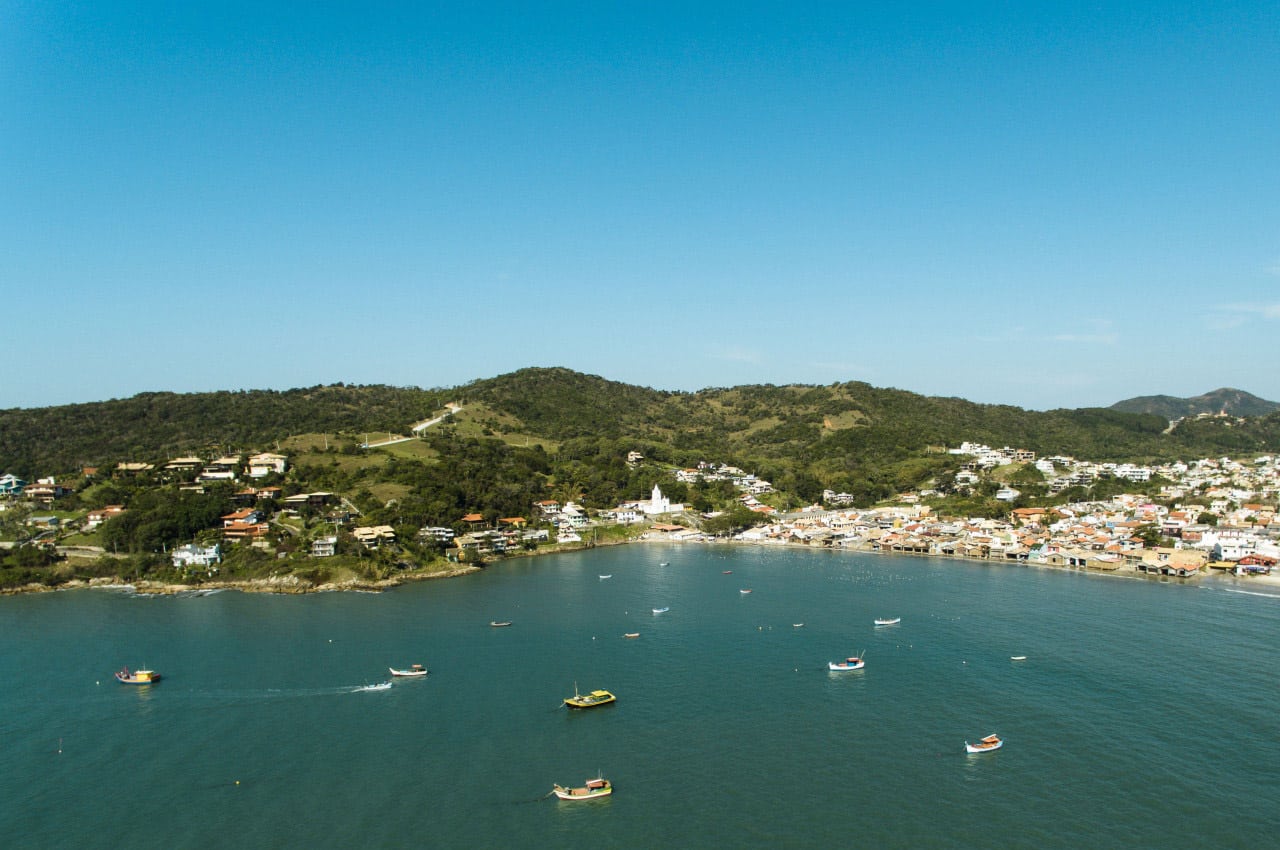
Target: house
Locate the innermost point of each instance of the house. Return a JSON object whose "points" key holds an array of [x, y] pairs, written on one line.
{"points": [[98, 517], [262, 465], [11, 485], [440, 534], [373, 536], [244, 516], [183, 464], [324, 547], [45, 491], [191, 555], [125, 467]]}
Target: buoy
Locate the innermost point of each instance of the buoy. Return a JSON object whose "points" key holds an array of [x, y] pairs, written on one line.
{"points": [[238, 781]]}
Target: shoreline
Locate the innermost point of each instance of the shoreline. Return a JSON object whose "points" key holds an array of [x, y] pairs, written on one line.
{"points": [[290, 584]]}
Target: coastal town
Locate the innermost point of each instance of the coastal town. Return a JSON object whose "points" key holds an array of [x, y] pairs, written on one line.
{"points": [[1213, 515]]}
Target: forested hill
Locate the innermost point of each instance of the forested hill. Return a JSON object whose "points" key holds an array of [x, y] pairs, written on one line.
{"points": [[840, 435], [1226, 400], [157, 425]]}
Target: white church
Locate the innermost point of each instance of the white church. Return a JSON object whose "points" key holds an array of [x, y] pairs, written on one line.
{"points": [[659, 504]]}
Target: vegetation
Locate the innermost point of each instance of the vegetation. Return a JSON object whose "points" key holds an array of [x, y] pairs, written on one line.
{"points": [[532, 435]]}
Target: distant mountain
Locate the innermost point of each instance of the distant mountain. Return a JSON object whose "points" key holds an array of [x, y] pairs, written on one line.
{"points": [[1225, 400]]}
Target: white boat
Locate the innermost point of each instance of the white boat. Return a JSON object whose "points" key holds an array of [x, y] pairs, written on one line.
{"points": [[745, 591], [592, 789], [888, 621], [384, 686], [665, 564], [610, 575], [988, 744], [854, 662], [797, 625], [661, 610], [1017, 658], [413, 671]]}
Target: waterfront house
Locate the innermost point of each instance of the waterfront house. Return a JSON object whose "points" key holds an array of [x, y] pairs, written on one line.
{"points": [[191, 555], [324, 547]]}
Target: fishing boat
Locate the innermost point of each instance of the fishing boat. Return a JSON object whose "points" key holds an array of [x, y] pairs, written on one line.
{"points": [[591, 790], [382, 686], [610, 575], [853, 662], [499, 623], [986, 745], [413, 671], [137, 677], [888, 621], [797, 625], [631, 635], [591, 700], [744, 591], [661, 610], [1017, 658]]}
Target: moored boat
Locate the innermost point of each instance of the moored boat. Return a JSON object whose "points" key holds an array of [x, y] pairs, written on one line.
{"points": [[591, 700], [414, 670], [745, 591], [499, 623], [592, 789], [853, 662], [610, 575], [888, 621], [661, 610], [137, 677], [1017, 658], [631, 635], [986, 745]]}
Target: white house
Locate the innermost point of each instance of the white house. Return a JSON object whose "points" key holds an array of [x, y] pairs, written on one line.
{"points": [[191, 555]]}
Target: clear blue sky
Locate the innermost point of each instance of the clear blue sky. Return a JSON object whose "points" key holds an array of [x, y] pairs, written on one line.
{"points": [[1048, 205]]}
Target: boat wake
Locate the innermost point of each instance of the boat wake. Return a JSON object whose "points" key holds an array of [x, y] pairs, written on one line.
{"points": [[1250, 592]]}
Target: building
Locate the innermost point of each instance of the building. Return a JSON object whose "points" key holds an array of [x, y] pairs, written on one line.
{"points": [[191, 555]]}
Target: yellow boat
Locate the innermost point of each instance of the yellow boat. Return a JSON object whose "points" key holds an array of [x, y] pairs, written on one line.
{"points": [[591, 700], [137, 677]]}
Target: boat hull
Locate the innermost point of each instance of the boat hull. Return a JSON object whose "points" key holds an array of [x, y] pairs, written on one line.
{"points": [[407, 674], [983, 746], [595, 699], [844, 666], [588, 793], [142, 677]]}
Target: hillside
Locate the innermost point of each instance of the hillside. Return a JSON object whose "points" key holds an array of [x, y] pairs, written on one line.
{"points": [[848, 436], [1226, 400]]}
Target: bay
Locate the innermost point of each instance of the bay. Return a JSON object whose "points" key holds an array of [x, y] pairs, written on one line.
{"points": [[1144, 715]]}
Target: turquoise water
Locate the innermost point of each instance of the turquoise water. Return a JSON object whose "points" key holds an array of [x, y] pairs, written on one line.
{"points": [[1145, 715]]}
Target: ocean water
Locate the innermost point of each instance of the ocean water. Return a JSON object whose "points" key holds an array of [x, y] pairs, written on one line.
{"points": [[1145, 715]]}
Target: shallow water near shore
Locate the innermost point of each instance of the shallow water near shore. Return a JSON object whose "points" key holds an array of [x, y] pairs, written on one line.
{"points": [[1145, 714]]}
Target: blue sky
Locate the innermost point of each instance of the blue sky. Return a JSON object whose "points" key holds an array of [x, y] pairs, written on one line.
{"points": [[1047, 207]]}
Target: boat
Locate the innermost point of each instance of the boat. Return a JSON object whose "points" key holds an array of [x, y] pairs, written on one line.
{"points": [[1017, 658], [744, 591], [610, 575], [661, 610], [137, 677], [382, 686], [414, 670], [499, 623], [888, 621], [851, 663], [631, 635], [986, 745], [592, 789], [664, 564], [726, 572], [591, 700], [797, 625]]}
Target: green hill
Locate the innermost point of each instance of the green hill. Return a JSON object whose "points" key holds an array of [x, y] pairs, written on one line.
{"points": [[1221, 401]]}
